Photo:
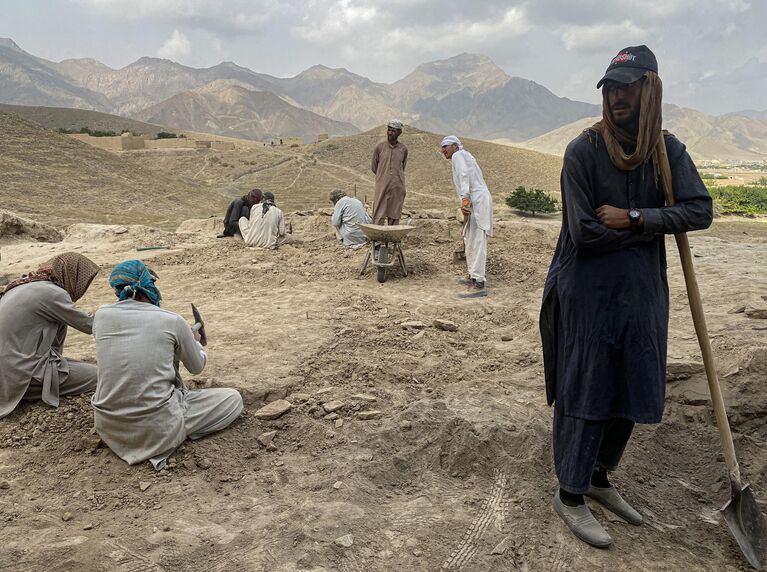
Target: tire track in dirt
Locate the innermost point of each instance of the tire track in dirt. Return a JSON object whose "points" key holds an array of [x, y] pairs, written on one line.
{"points": [[129, 561], [492, 510]]}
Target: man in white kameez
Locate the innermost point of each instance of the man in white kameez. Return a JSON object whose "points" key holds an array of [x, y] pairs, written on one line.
{"points": [[348, 214], [266, 226], [142, 409], [477, 208]]}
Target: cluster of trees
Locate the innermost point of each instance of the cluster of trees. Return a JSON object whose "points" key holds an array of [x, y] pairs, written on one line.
{"points": [[105, 133], [91, 132], [741, 199], [533, 201]]}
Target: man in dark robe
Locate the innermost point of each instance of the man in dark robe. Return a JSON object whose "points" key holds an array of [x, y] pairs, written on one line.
{"points": [[604, 319], [389, 161], [239, 208]]}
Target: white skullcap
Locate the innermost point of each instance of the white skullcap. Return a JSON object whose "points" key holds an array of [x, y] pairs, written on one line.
{"points": [[395, 123], [450, 140]]}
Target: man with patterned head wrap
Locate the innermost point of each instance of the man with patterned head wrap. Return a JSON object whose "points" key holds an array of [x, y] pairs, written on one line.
{"points": [[266, 226], [348, 214], [239, 208], [142, 409], [476, 207], [35, 311], [604, 318], [389, 161]]}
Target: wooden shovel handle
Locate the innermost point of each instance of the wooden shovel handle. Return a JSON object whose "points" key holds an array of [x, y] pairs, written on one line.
{"points": [[699, 320]]}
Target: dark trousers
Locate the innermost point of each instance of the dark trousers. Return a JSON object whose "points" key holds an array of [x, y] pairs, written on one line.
{"points": [[580, 445]]}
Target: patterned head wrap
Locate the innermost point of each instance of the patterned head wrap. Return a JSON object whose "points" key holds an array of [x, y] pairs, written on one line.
{"points": [[71, 271], [267, 201], [451, 140], [395, 124], [336, 195], [133, 276]]}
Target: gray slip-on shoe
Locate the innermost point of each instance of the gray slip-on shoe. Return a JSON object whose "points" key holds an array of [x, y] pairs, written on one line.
{"points": [[612, 501], [582, 523]]}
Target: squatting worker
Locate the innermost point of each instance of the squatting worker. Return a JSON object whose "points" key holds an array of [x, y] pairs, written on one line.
{"points": [[348, 214], [389, 161], [142, 409], [237, 209], [266, 226], [35, 311], [476, 206], [604, 319]]}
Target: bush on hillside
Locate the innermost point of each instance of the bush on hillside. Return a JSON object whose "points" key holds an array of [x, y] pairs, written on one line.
{"points": [[166, 135], [533, 201]]}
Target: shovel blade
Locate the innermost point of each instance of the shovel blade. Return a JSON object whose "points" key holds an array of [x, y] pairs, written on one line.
{"points": [[747, 525]]}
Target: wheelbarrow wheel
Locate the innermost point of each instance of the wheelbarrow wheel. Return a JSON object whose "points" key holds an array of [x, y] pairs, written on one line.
{"points": [[381, 274], [383, 258]]}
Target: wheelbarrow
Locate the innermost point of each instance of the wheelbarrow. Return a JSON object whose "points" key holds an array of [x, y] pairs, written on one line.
{"points": [[385, 248]]}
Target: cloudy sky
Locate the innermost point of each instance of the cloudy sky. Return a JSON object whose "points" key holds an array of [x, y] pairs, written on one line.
{"points": [[712, 53]]}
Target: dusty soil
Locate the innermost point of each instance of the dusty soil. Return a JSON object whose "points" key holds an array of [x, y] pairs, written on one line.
{"points": [[454, 474]]}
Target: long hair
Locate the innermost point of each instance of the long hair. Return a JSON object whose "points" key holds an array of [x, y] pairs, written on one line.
{"points": [[648, 136]]}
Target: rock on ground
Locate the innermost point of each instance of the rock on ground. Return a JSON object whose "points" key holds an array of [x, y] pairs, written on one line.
{"points": [[273, 410]]}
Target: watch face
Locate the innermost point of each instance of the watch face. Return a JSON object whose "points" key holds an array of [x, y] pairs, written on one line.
{"points": [[634, 214]]}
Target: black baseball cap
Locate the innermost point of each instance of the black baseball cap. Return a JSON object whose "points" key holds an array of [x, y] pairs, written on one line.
{"points": [[630, 64]]}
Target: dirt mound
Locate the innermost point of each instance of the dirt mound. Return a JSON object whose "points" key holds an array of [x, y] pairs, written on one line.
{"points": [[14, 227], [210, 226]]}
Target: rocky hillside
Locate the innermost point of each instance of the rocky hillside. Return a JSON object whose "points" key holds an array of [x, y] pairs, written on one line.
{"points": [[55, 179], [55, 118], [707, 137], [226, 108], [28, 80]]}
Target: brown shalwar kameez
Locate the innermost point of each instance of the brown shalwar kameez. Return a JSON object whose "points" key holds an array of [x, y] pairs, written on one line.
{"points": [[389, 167]]}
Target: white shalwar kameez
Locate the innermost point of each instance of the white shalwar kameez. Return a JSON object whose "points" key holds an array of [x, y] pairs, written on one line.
{"points": [[468, 181], [264, 230]]}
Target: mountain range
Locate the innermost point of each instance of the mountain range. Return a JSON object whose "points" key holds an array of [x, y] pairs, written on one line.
{"points": [[730, 137], [467, 94]]}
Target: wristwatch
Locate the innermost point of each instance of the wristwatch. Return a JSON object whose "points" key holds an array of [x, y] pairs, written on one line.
{"points": [[634, 215]]}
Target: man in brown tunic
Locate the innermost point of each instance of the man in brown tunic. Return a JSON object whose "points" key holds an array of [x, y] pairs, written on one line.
{"points": [[389, 160]]}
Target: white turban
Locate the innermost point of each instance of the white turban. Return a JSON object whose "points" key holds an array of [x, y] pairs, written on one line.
{"points": [[450, 140], [395, 124]]}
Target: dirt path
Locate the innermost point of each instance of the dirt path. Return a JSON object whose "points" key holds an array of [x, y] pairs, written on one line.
{"points": [[455, 472]]}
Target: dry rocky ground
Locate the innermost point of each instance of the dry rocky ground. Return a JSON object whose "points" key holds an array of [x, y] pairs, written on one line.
{"points": [[406, 446]]}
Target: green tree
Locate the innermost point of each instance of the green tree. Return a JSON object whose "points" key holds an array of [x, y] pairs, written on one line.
{"points": [[166, 135], [534, 201]]}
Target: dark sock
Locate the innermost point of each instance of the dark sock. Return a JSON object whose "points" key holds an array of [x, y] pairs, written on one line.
{"points": [[599, 478], [569, 499]]}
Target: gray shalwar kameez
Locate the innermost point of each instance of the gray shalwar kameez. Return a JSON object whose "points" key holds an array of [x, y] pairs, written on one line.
{"points": [[141, 408], [33, 326], [389, 162], [348, 214]]}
